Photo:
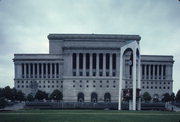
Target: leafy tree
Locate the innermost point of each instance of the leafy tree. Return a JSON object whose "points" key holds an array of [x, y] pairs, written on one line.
{"points": [[178, 96], [30, 97], [20, 96], [172, 97], [146, 97], [3, 102], [166, 97], [8, 93], [40, 95], [56, 95]]}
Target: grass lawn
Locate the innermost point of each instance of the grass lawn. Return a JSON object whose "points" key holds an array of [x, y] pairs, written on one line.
{"points": [[88, 116]]}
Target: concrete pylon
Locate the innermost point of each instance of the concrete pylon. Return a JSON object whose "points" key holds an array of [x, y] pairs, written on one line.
{"points": [[134, 46]]}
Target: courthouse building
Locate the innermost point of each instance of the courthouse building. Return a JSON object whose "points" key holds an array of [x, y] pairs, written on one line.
{"points": [[86, 67]]}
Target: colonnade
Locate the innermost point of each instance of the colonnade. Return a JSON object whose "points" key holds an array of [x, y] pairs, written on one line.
{"points": [[94, 64], [38, 70]]}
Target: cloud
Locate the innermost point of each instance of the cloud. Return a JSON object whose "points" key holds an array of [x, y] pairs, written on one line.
{"points": [[26, 24]]}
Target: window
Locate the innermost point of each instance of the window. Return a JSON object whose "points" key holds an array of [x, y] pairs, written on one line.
{"points": [[94, 81], [114, 81], [52, 81], [52, 86], [61, 86], [100, 81], [107, 86], [26, 81], [147, 87], [107, 81], [48, 81], [151, 87], [87, 81], [61, 81], [164, 87], [160, 87], [101, 86], [22, 86], [80, 86], [73, 81], [87, 86], [22, 81], [48, 86], [114, 86], [26, 86], [168, 87], [94, 86], [73, 85], [80, 81], [57, 86], [44, 86], [57, 81], [17, 81]]}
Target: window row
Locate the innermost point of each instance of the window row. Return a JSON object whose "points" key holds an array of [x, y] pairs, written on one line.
{"points": [[39, 81], [94, 81], [40, 86], [94, 86]]}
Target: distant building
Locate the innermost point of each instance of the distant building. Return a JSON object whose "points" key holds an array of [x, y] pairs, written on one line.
{"points": [[85, 67]]}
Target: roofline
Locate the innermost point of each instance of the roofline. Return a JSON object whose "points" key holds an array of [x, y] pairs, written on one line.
{"points": [[93, 36]]}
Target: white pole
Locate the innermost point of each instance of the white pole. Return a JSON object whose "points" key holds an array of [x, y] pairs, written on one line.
{"points": [[120, 78], [134, 78]]}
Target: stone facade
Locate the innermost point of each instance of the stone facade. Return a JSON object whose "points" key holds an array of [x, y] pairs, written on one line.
{"points": [[85, 67]]}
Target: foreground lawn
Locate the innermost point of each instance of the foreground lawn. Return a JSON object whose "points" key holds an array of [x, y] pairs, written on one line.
{"points": [[88, 116]]}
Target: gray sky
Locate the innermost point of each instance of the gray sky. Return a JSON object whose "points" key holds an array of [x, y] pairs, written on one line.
{"points": [[25, 24]]}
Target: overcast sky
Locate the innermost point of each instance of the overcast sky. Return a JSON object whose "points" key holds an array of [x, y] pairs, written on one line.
{"points": [[25, 24]]}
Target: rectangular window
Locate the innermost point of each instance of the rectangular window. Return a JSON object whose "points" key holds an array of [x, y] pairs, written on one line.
{"points": [[74, 61], [94, 61], [114, 61]]}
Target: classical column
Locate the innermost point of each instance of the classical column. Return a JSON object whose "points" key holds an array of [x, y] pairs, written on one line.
{"points": [[149, 72], [24, 70], [47, 70], [153, 71], [110, 65], [104, 64], [77, 64], [42, 70], [29, 66], [97, 64], [157, 71], [145, 71], [90, 68], [55, 70], [162, 68], [37, 70], [84, 64], [51, 71]]}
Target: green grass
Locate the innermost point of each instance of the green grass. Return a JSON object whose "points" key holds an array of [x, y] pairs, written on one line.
{"points": [[88, 116]]}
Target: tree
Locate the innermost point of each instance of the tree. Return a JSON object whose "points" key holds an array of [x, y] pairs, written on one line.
{"points": [[30, 97], [166, 97], [172, 97], [56, 95], [20, 96], [3, 102], [8, 93], [146, 97], [178, 96], [40, 95]]}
